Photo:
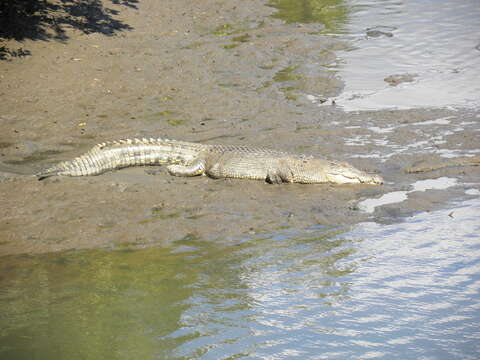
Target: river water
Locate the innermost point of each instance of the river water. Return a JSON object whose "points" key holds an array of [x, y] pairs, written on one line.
{"points": [[409, 289], [401, 54]]}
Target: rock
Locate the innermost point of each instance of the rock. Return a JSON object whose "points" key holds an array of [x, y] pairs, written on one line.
{"points": [[396, 79]]}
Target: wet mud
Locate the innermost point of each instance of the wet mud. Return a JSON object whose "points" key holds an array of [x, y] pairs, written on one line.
{"points": [[214, 73]]}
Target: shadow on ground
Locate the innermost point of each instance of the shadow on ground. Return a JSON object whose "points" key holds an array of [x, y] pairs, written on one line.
{"points": [[47, 20]]}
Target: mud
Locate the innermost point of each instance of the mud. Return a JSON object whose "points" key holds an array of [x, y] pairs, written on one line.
{"points": [[212, 72]]}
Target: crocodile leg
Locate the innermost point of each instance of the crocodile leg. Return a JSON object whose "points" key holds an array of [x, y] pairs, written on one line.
{"points": [[196, 168], [282, 173], [274, 178]]}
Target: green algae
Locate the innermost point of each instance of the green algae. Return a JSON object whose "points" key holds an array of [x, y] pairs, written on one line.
{"points": [[332, 14], [241, 38], [223, 30], [229, 46], [287, 74], [176, 122]]}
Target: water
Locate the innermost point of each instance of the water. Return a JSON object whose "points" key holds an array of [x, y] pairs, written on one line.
{"points": [[431, 48], [394, 197], [405, 291]]}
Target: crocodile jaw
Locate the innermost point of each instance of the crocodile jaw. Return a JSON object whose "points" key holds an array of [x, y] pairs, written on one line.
{"points": [[363, 179], [344, 173]]}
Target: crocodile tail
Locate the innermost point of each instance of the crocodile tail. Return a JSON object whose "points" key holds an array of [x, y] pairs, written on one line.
{"points": [[48, 172], [86, 164]]}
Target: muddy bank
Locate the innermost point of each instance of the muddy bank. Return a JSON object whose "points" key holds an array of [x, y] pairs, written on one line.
{"points": [[215, 73]]}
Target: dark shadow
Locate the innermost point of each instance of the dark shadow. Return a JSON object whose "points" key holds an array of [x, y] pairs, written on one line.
{"points": [[47, 19]]}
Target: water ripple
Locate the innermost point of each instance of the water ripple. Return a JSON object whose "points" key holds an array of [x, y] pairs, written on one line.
{"points": [[434, 44], [408, 290]]}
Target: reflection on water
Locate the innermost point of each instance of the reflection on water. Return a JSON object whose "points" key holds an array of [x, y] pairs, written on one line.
{"points": [[403, 53], [331, 13], [409, 291]]}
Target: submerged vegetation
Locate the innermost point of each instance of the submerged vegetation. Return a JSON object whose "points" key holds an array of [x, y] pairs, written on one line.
{"points": [[331, 13]]}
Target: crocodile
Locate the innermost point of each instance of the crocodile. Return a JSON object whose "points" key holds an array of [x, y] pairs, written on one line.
{"points": [[216, 161], [432, 166]]}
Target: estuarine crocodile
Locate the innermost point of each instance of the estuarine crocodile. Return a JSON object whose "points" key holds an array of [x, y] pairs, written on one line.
{"points": [[444, 163], [216, 161]]}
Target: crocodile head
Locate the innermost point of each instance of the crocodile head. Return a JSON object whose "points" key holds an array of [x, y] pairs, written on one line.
{"points": [[343, 173], [315, 170]]}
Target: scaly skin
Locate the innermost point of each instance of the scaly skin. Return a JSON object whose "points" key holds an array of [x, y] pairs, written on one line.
{"points": [[445, 163], [216, 161]]}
